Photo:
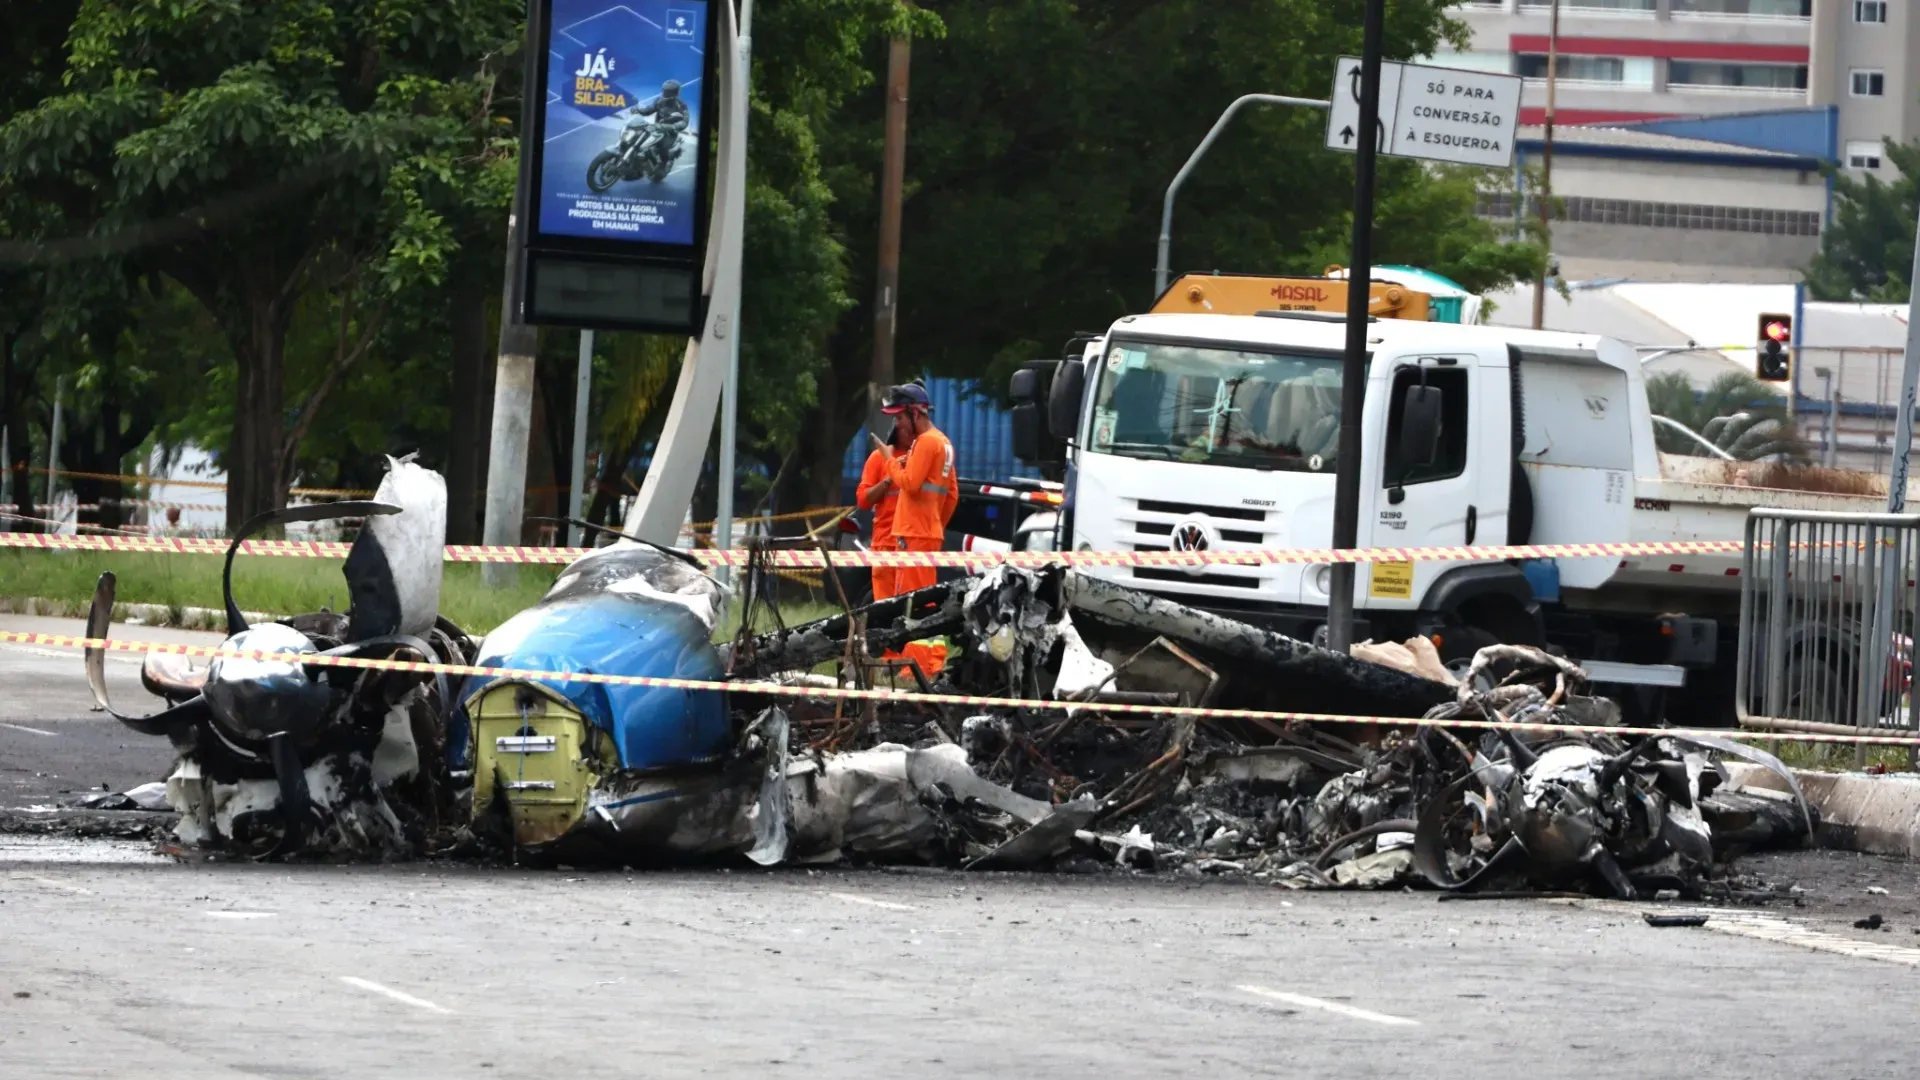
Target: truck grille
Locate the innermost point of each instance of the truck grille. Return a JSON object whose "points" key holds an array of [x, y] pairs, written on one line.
{"points": [[1242, 513], [1152, 524]]}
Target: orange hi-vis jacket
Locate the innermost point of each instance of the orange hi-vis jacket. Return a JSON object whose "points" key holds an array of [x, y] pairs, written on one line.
{"points": [[870, 477], [927, 485]]}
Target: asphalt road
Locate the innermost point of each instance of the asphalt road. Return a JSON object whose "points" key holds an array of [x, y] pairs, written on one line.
{"points": [[117, 966], [116, 962], [53, 747]]}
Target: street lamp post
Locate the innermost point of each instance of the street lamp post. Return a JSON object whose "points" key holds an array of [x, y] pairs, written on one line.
{"points": [[1161, 269]]}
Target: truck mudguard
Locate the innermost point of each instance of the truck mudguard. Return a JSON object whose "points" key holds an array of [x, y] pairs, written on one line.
{"points": [[1462, 585]]}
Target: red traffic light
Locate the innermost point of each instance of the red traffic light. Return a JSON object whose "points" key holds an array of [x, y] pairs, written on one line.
{"points": [[1777, 330]]}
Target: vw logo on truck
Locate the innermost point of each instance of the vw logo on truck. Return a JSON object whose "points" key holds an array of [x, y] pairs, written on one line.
{"points": [[1190, 536]]}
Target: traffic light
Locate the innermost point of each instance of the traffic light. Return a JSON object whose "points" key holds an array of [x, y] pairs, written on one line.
{"points": [[1774, 355]]}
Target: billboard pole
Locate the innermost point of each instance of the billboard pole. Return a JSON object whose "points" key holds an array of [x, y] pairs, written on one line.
{"points": [[678, 457], [730, 403], [582, 390], [1353, 378]]}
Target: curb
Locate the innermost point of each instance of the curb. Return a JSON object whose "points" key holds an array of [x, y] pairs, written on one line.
{"points": [[182, 618], [1878, 815]]}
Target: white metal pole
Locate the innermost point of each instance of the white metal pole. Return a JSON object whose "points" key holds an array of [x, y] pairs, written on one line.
{"points": [[1163, 261], [730, 399], [53, 443], [659, 512], [1892, 564], [582, 390]]}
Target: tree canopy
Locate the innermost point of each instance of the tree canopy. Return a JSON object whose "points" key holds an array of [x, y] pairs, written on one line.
{"points": [[275, 228], [1866, 251]]}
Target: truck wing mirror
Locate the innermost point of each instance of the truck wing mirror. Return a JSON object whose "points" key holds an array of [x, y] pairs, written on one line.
{"points": [[1029, 384], [1063, 401], [1419, 427]]}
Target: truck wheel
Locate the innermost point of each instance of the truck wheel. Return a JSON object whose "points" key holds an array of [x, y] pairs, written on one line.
{"points": [[1458, 644]]}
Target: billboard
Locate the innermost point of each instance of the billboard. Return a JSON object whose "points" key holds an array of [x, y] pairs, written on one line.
{"points": [[622, 126], [616, 170]]}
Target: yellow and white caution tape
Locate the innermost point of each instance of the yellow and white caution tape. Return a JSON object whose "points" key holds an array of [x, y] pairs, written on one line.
{"points": [[65, 641]]}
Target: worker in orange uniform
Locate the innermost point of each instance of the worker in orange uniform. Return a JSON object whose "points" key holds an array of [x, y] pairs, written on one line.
{"points": [[924, 480], [877, 493], [927, 490]]}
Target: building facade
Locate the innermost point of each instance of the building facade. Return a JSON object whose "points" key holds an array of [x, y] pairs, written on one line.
{"points": [[1624, 61]]}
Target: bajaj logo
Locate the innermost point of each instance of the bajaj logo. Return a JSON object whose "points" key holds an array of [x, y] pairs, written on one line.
{"points": [[679, 25]]}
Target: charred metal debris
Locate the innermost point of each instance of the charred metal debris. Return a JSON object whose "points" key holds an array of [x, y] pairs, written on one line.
{"points": [[1297, 804], [279, 758]]}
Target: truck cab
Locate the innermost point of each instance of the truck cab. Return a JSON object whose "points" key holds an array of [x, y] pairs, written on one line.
{"points": [[1195, 432]]}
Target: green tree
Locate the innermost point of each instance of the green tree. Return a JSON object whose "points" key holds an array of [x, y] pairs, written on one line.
{"points": [[1042, 136], [1737, 413], [252, 150], [1866, 251]]}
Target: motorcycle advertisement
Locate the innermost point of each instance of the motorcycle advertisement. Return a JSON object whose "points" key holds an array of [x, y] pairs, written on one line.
{"points": [[622, 125]]}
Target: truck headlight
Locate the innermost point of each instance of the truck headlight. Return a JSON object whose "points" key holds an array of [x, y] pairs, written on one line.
{"points": [[1323, 580]]}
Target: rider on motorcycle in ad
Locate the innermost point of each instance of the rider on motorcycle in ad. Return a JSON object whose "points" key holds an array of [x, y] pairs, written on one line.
{"points": [[670, 113]]}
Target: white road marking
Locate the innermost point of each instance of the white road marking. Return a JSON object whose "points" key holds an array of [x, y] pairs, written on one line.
{"points": [[887, 904], [1772, 928], [56, 654], [239, 914], [29, 730], [60, 885], [403, 998], [1335, 1007]]}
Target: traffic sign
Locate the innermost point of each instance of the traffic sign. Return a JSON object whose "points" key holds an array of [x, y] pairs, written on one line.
{"points": [[1437, 113]]}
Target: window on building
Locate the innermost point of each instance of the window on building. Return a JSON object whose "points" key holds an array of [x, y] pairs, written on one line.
{"points": [[1863, 154], [1869, 11], [1627, 71], [1586, 68], [1501, 62], [1778, 9], [1748, 76], [1869, 82], [1614, 5]]}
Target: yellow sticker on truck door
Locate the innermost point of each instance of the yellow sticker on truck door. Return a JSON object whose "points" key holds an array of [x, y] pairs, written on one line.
{"points": [[1391, 581]]}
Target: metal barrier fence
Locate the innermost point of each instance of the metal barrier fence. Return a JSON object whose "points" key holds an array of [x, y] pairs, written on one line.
{"points": [[1827, 607]]}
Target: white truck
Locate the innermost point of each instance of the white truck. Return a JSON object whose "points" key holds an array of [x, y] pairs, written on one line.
{"points": [[1191, 432]]}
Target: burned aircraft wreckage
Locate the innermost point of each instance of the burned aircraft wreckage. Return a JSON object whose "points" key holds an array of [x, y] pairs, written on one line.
{"points": [[1155, 749]]}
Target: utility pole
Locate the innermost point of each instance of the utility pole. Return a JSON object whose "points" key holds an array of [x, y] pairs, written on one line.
{"points": [[1353, 378], [53, 442], [1546, 168], [582, 391], [730, 397], [513, 377], [893, 173]]}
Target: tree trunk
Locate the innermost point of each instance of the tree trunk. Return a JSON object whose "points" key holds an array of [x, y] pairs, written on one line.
{"points": [[253, 454], [14, 386], [472, 418]]}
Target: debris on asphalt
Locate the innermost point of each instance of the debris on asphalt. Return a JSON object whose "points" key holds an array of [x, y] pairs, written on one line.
{"points": [[1654, 919], [279, 756], [1871, 922], [1161, 755]]}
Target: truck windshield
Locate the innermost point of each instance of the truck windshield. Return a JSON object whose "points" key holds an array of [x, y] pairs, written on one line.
{"points": [[1217, 405]]}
